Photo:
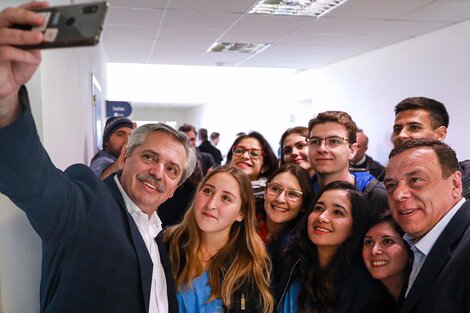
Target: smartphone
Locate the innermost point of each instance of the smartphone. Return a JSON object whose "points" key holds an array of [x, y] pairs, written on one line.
{"points": [[69, 25]]}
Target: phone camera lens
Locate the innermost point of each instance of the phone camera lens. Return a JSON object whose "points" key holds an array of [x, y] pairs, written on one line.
{"points": [[90, 9], [70, 21]]}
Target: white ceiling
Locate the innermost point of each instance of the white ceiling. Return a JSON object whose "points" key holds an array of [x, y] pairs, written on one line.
{"points": [[181, 31]]}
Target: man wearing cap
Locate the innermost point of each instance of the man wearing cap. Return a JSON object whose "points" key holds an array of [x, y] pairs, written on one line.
{"points": [[116, 132]]}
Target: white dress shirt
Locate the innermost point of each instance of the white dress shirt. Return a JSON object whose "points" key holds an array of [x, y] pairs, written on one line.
{"points": [[422, 247], [149, 229]]}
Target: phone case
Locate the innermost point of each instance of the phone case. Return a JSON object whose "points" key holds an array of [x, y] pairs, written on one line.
{"points": [[71, 25]]}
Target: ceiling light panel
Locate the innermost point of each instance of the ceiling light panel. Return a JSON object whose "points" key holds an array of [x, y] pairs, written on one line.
{"points": [[314, 8], [251, 48]]}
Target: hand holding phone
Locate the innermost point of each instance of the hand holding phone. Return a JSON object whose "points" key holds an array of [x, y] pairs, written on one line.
{"points": [[69, 25], [16, 65]]}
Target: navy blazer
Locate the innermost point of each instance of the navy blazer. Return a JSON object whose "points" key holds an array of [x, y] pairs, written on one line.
{"points": [[93, 256], [443, 283]]}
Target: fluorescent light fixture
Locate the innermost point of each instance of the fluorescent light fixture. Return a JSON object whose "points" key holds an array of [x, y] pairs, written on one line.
{"points": [[251, 48], [296, 7]]}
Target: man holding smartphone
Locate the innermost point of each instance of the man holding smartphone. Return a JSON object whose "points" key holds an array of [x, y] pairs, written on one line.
{"points": [[100, 249]]}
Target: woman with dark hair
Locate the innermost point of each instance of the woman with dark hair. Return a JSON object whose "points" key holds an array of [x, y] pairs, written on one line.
{"points": [[386, 254], [286, 198], [218, 261], [328, 275], [252, 154], [294, 148]]}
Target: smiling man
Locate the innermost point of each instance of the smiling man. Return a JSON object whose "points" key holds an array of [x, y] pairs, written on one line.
{"points": [[424, 190], [332, 145], [421, 117], [100, 250]]}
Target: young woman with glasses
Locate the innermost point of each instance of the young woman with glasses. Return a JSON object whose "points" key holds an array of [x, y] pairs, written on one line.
{"points": [[287, 196], [218, 261], [252, 154]]}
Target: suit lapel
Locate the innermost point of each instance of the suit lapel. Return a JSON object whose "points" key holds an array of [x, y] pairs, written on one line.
{"points": [[436, 259], [145, 261], [438, 256], [401, 298]]}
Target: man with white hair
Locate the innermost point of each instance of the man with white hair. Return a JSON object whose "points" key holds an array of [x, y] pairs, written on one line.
{"points": [[100, 246]]}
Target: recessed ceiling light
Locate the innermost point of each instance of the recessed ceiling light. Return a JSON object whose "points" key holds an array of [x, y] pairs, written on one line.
{"points": [[238, 47], [295, 7]]}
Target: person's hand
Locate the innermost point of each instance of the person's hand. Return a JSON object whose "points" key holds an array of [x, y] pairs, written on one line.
{"points": [[17, 65], [122, 157], [117, 166]]}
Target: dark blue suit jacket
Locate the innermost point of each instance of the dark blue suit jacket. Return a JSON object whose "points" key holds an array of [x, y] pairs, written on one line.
{"points": [[94, 258], [443, 283]]}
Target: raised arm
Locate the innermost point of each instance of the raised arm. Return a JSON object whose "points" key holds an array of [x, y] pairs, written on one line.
{"points": [[17, 65]]}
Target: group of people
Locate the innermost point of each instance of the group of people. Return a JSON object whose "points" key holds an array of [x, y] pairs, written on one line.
{"points": [[306, 233]]}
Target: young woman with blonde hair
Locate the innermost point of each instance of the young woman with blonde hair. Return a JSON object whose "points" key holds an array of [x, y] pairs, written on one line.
{"points": [[219, 262]]}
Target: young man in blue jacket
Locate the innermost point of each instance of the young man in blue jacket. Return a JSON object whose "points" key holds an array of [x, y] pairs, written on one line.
{"points": [[332, 145]]}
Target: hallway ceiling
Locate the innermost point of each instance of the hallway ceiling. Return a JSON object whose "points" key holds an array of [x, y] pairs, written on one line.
{"points": [[181, 31]]}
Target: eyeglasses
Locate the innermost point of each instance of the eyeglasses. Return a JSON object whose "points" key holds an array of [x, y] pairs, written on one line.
{"points": [[299, 146], [253, 152], [330, 142], [291, 194]]}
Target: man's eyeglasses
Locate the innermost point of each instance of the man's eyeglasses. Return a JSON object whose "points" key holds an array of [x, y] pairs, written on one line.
{"points": [[291, 194], [330, 142], [253, 152], [299, 146]]}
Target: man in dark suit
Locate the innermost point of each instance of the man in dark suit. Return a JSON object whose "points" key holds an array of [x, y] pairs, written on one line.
{"points": [[100, 250], [207, 147], [424, 188], [204, 160], [362, 161]]}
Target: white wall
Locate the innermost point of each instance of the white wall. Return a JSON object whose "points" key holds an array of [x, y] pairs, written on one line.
{"points": [[20, 247], [230, 99], [369, 86], [60, 95], [149, 114]]}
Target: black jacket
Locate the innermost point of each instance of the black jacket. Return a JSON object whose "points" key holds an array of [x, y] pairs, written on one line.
{"points": [[358, 292], [465, 169], [207, 147], [370, 165], [94, 258]]}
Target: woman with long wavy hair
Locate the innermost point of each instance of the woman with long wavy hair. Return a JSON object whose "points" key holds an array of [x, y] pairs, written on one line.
{"points": [[219, 263], [327, 274]]}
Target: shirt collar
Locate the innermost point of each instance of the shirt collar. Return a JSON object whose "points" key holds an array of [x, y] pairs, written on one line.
{"points": [[362, 160], [425, 244]]}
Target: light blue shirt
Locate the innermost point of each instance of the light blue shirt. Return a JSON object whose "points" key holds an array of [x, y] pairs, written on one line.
{"points": [[422, 248], [290, 299], [194, 299]]}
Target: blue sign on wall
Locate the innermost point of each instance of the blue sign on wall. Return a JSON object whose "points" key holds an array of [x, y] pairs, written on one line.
{"points": [[118, 108]]}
